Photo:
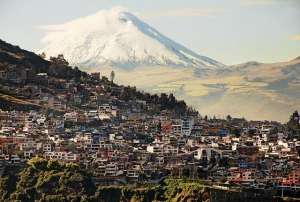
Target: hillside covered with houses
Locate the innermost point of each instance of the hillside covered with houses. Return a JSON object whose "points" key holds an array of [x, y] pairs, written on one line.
{"points": [[122, 135]]}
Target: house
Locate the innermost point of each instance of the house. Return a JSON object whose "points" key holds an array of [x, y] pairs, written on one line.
{"points": [[176, 129], [47, 147], [157, 149], [134, 172], [111, 169], [71, 116], [186, 126], [293, 178]]}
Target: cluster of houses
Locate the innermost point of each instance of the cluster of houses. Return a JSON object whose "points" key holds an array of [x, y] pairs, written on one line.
{"points": [[150, 147], [133, 140]]}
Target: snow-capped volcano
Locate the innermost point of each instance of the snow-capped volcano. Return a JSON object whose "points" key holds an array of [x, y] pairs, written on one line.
{"points": [[118, 38]]}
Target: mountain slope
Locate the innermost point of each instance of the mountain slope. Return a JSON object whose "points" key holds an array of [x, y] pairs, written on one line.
{"points": [[13, 55], [14, 58], [22, 85], [118, 38], [251, 90], [254, 90]]}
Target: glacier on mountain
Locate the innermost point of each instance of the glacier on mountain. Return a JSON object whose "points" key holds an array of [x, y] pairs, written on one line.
{"points": [[118, 38]]}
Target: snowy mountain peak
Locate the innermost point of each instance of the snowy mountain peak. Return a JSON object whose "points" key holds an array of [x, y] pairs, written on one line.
{"points": [[118, 38]]}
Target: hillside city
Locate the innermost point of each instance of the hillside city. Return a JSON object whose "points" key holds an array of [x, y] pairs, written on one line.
{"points": [[125, 136]]}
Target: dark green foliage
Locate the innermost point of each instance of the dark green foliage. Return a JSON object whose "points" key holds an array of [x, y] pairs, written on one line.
{"points": [[164, 101], [7, 186], [112, 194], [236, 132], [48, 181], [293, 125], [54, 198], [117, 193]]}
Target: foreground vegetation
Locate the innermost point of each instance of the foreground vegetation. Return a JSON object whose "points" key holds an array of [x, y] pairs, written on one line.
{"points": [[46, 181], [43, 180]]}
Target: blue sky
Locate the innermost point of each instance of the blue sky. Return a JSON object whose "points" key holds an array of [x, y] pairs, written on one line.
{"points": [[230, 31]]}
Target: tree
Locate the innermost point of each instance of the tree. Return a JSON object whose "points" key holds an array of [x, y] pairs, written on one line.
{"points": [[112, 76], [59, 60], [293, 125], [43, 180], [228, 118], [62, 60], [43, 55], [295, 117], [163, 101], [171, 101]]}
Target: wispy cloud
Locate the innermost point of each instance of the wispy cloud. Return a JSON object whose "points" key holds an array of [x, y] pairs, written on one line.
{"points": [[295, 37], [257, 2], [268, 2], [185, 12]]}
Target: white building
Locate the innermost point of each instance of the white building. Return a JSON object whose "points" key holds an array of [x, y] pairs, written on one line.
{"points": [[186, 126]]}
